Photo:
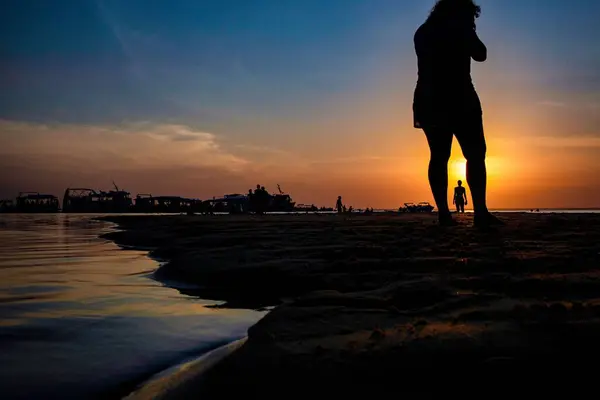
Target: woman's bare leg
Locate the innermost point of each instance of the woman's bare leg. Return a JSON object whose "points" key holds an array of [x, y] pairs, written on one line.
{"points": [[472, 141], [440, 146]]}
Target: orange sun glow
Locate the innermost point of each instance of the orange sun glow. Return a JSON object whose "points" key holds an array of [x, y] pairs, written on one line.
{"points": [[458, 169]]}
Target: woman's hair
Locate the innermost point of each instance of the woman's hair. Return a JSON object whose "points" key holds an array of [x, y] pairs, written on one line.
{"points": [[451, 9]]}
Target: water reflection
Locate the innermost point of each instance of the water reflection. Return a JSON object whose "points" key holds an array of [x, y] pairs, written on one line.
{"points": [[80, 317]]}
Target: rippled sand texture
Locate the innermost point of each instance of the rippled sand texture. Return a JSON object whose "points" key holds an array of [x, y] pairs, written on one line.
{"points": [[392, 303]]}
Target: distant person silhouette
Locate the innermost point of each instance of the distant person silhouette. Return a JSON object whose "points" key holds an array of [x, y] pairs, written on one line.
{"points": [[446, 103], [251, 200], [460, 198], [259, 200], [265, 198], [339, 206]]}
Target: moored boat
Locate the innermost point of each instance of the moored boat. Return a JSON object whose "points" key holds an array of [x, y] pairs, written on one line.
{"points": [[84, 200], [7, 206], [163, 204], [34, 202], [423, 207]]}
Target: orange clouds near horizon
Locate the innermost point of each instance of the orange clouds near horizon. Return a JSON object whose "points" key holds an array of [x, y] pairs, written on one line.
{"points": [[360, 145], [168, 159]]}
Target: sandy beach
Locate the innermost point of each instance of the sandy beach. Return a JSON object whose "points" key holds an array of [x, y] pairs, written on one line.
{"points": [[390, 303]]}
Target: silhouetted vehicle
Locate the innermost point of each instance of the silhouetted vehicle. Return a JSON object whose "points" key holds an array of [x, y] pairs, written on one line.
{"points": [[306, 208], [240, 203], [281, 202], [34, 202], [83, 200], [144, 203], [422, 207], [202, 207], [231, 203], [7, 206], [162, 204]]}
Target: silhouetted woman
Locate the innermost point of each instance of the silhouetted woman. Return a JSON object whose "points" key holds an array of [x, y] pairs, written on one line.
{"points": [[446, 103]]}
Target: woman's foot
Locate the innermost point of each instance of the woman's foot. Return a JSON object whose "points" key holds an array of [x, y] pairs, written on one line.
{"points": [[486, 220]]}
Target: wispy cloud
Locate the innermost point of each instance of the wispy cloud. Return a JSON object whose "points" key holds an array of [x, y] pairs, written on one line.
{"points": [[594, 106], [562, 104], [108, 19], [581, 142], [181, 133], [144, 144], [352, 160], [145, 157], [305, 163], [552, 103], [260, 149]]}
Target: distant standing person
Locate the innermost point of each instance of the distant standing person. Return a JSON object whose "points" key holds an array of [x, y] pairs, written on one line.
{"points": [[339, 206], [460, 198], [265, 199], [251, 200], [446, 103], [259, 200]]}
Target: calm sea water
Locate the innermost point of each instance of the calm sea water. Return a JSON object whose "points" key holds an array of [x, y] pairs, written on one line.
{"points": [[81, 318]]}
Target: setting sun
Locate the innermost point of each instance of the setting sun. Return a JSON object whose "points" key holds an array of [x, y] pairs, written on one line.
{"points": [[457, 169]]}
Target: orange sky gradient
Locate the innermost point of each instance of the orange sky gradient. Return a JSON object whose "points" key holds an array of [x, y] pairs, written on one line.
{"points": [[376, 160], [543, 140], [363, 148]]}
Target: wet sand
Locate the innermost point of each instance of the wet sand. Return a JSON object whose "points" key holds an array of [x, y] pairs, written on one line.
{"points": [[391, 303]]}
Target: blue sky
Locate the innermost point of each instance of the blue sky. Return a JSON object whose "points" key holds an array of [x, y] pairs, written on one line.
{"points": [[284, 73], [194, 60], [202, 60]]}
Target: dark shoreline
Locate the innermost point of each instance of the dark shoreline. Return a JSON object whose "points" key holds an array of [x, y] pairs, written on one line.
{"points": [[389, 297]]}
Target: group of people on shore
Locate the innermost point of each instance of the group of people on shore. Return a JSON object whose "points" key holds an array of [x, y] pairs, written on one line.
{"points": [[341, 208], [259, 199], [460, 200]]}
